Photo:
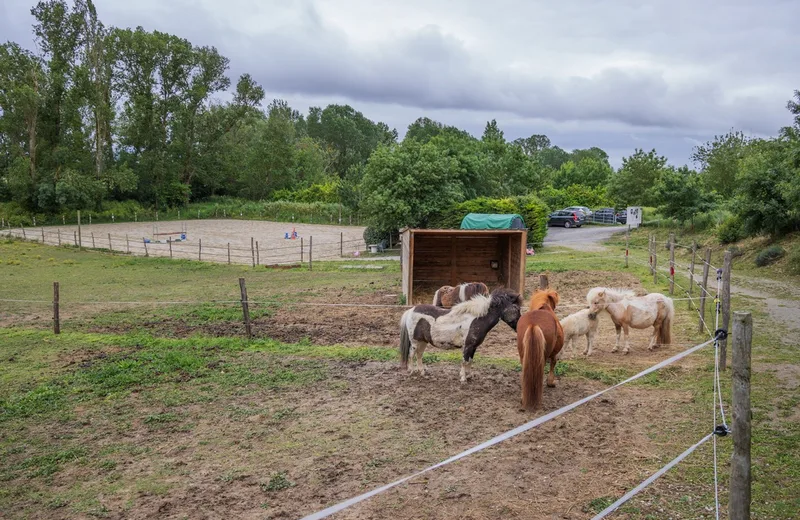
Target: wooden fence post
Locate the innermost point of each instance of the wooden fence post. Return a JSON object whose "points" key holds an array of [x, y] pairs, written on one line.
{"points": [[726, 308], [75, 238], [42, 235], [92, 234], [691, 275], [56, 317], [740, 490], [127, 244], [110, 247], [650, 250], [301, 250], [310, 246], [258, 255], [671, 264], [627, 244], [80, 241], [655, 261], [544, 283], [245, 308], [58, 230], [169, 241], [24, 236], [199, 249], [229, 253], [341, 240], [144, 241], [253, 251], [704, 290]]}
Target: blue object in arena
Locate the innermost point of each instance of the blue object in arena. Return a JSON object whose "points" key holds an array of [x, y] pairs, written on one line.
{"points": [[286, 236], [183, 236]]}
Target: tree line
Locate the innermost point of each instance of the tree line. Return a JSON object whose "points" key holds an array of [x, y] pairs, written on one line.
{"points": [[94, 115]]}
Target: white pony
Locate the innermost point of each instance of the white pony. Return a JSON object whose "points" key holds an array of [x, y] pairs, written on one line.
{"points": [[581, 323], [640, 312]]}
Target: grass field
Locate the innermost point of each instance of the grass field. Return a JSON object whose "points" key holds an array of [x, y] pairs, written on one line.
{"points": [[165, 410]]}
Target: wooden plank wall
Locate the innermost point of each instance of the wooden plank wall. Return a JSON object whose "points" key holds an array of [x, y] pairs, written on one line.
{"points": [[516, 273], [448, 260]]}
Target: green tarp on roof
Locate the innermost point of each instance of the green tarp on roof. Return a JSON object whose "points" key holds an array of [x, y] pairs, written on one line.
{"points": [[493, 221]]}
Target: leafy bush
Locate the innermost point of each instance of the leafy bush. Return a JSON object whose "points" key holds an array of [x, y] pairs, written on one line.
{"points": [[769, 255], [534, 212], [736, 251], [575, 195], [327, 193], [374, 236], [730, 230]]}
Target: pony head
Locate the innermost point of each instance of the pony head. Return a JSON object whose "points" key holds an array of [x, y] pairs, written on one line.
{"points": [[508, 302], [547, 297], [599, 297]]}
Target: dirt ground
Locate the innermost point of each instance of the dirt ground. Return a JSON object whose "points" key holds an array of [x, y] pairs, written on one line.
{"points": [[215, 236]]}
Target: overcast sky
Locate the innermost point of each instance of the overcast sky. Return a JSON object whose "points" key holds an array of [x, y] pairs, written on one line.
{"points": [[617, 74]]}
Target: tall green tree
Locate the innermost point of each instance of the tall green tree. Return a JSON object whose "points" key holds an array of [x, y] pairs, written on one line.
{"points": [[634, 183], [719, 161], [682, 195]]}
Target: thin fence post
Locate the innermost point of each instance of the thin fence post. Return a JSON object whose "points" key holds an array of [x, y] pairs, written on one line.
{"points": [[740, 490], [169, 241], [144, 241], [704, 290], [80, 240], [691, 275], [650, 250], [253, 251], [655, 261], [258, 255], [42, 235], [671, 264], [110, 247], [229, 253], [341, 242], [544, 283], [58, 230], [56, 317], [726, 307], [245, 308], [127, 244], [627, 244], [24, 237], [310, 247], [199, 249], [75, 238], [301, 250], [92, 234]]}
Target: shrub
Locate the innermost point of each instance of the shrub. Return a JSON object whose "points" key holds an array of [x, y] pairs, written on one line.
{"points": [[374, 236], [736, 251], [535, 213], [769, 255], [730, 230]]}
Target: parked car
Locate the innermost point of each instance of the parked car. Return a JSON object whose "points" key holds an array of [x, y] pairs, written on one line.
{"points": [[566, 218], [586, 211], [622, 217]]}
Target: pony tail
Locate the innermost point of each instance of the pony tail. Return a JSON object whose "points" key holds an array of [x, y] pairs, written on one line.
{"points": [[665, 334], [437, 298], [533, 346], [405, 341]]}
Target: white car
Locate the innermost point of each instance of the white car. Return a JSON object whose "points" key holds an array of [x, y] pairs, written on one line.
{"points": [[586, 211]]}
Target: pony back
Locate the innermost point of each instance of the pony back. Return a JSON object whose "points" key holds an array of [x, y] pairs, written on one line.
{"points": [[545, 298]]}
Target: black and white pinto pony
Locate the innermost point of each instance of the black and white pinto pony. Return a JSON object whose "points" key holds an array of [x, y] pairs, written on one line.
{"points": [[463, 326]]}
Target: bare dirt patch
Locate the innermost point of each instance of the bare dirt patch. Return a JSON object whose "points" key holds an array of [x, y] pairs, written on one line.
{"points": [[285, 453]]}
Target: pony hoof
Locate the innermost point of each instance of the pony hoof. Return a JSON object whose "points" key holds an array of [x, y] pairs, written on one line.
{"points": [[625, 352]]}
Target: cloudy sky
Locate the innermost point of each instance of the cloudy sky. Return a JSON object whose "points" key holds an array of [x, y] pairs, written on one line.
{"points": [[622, 74]]}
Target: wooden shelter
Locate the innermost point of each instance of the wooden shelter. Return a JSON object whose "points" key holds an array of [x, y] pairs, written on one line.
{"points": [[432, 258]]}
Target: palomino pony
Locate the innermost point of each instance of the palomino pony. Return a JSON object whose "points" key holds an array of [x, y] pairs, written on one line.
{"points": [[539, 337], [447, 296], [581, 323], [640, 312], [464, 326]]}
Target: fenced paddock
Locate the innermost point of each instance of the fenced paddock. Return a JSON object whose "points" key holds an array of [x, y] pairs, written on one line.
{"points": [[224, 241], [363, 423]]}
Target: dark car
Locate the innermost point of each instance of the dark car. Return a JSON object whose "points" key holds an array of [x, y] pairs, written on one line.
{"points": [[604, 216], [622, 217], [566, 218]]}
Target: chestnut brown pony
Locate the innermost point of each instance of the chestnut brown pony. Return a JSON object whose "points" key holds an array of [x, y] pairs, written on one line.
{"points": [[447, 296], [539, 337]]}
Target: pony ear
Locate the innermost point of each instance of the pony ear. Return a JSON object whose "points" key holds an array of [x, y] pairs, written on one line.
{"points": [[601, 293]]}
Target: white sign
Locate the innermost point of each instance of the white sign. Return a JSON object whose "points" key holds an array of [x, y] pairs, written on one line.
{"points": [[634, 216]]}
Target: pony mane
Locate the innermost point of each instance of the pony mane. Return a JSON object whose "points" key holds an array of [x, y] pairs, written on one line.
{"points": [[547, 297], [613, 293], [478, 306]]}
